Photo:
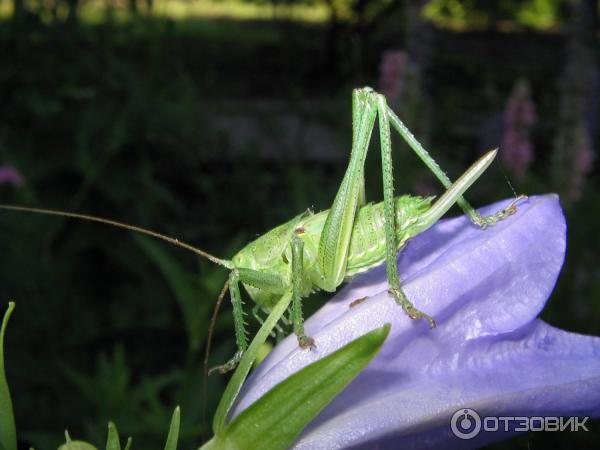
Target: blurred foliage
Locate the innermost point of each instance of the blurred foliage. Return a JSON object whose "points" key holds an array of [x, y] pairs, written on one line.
{"points": [[530, 13], [145, 116], [113, 441]]}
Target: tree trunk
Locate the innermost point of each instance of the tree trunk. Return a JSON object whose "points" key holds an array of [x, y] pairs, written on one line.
{"points": [[133, 9], [18, 25], [73, 13]]}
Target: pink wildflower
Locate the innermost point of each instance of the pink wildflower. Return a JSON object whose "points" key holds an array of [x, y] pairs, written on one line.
{"points": [[583, 161], [391, 70], [519, 118], [10, 175]]}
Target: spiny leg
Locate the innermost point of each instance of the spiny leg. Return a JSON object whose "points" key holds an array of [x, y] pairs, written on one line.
{"points": [[238, 321], [255, 312], [261, 280], [297, 262], [476, 218], [287, 320], [391, 245]]}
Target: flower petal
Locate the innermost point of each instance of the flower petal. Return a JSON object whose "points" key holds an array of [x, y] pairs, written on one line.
{"points": [[484, 288], [528, 372]]}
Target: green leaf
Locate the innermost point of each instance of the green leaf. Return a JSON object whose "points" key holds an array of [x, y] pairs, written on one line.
{"points": [[112, 440], [8, 433], [276, 419], [173, 435], [194, 312], [128, 443], [77, 445], [235, 384]]}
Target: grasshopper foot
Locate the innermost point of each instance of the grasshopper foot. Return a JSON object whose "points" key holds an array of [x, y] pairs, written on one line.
{"points": [[409, 309], [485, 221], [415, 314], [229, 365], [306, 342]]}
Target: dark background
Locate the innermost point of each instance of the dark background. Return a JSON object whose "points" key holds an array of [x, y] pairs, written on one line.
{"points": [[215, 121]]}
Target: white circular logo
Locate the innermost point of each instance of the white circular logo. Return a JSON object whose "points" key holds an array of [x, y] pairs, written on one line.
{"points": [[465, 423]]}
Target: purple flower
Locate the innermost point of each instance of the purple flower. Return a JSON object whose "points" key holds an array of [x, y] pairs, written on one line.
{"points": [[10, 175], [583, 161], [488, 352]]}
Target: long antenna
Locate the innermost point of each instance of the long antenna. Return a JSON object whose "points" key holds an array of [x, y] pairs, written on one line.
{"points": [[154, 234], [211, 328]]}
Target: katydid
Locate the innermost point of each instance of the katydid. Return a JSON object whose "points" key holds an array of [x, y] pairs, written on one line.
{"points": [[320, 251]]}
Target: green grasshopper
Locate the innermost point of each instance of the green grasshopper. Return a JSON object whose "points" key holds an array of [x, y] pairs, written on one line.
{"points": [[320, 251]]}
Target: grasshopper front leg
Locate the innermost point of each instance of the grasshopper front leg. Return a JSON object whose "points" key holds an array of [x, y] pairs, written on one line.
{"points": [[241, 337], [271, 283], [261, 280]]}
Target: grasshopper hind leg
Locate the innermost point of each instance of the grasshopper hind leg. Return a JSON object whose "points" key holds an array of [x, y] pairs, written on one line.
{"points": [[390, 216], [486, 221], [475, 217], [409, 308]]}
